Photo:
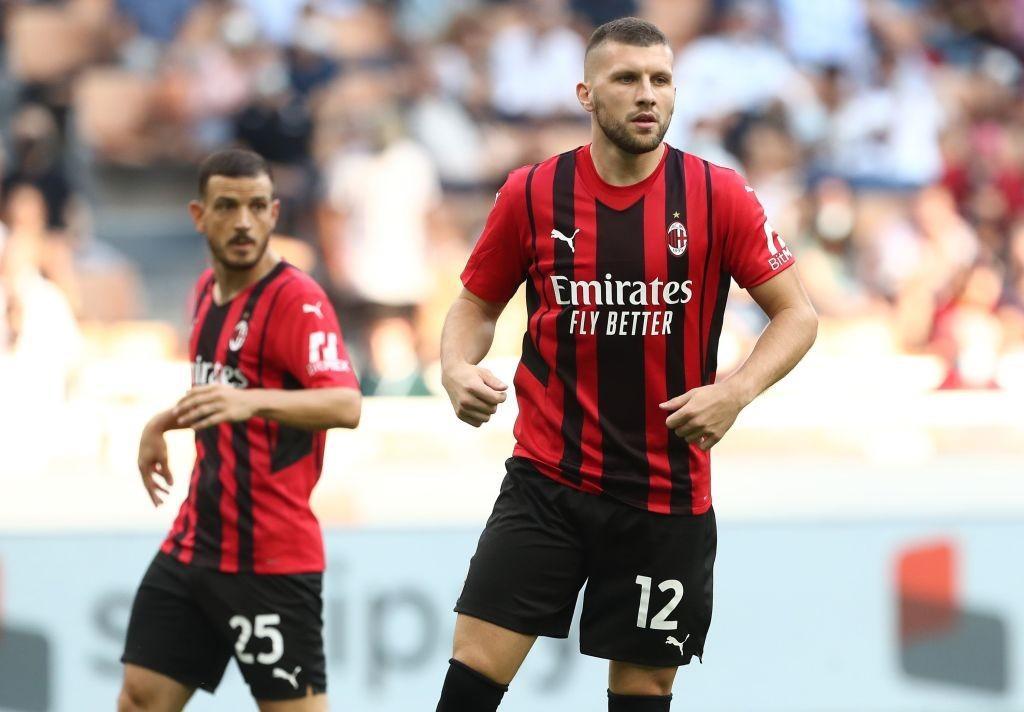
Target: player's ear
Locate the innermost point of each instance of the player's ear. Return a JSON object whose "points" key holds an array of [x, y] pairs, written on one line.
{"points": [[583, 95], [275, 209], [196, 210]]}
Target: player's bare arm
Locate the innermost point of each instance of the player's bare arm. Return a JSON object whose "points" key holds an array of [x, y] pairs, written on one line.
{"points": [[703, 415], [468, 333], [308, 409], [152, 459]]}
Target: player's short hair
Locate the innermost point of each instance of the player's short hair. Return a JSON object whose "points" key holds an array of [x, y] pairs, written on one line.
{"points": [[629, 31], [232, 163]]}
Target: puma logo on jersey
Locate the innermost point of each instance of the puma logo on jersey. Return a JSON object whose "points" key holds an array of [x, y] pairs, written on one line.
{"points": [[313, 309], [671, 640], [292, 678], [557, 235]]}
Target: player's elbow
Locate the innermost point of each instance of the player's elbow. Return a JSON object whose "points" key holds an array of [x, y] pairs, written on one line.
{"points": [[348, 409], [808, 319]]}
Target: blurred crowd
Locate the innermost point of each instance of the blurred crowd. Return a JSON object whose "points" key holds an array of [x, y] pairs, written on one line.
{"points": [[884, 137]]}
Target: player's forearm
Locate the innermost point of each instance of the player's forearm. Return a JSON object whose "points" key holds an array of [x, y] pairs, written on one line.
{"points": [[310, 408], [165, 420], [786, 339], [468, 333]]}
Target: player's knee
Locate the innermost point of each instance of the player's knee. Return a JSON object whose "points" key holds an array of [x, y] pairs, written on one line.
{"points": [[636, 680], [486, 663], [135, 697], [130, 700]]}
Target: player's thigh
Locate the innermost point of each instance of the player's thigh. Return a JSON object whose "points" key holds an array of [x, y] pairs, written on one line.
{"points": [[169, 634], [525, 575], [490, 649], [649, 596], [275, 625], [632, 679], [310, 703], [148, 691]]}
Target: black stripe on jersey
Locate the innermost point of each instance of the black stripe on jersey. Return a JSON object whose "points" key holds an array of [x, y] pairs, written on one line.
{"points": [[722, 293], [675, 344], [531, 346], [620, 359], [186, 520], [263, 345], [564, 220], [707, 264], [240, 438], [203, 291], [208, 487], [186, 523], [711, 362], [292, 444]]}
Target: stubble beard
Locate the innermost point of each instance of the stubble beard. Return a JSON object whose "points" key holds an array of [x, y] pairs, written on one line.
{"points": [[221, 257], [619, 134]]}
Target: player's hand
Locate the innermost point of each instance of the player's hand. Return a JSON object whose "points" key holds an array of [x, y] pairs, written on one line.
{"points": [[703, 415], [153, 464], [475, 393], [217, 403]]}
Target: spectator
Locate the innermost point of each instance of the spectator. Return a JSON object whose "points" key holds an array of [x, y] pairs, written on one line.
{"points": [[535, 62], [387, 197]]}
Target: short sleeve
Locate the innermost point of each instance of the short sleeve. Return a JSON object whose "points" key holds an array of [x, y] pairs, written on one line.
{"points": [[497, 265], [754, 252], [309, 342]]}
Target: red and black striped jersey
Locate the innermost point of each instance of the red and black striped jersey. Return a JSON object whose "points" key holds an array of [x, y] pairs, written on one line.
{"points": [[248, 501], [625, 291]]}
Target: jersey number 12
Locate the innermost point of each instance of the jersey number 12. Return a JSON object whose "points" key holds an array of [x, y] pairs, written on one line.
{"points": [[660, 620]]}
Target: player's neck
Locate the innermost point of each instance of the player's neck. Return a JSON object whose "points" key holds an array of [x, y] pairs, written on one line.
{"points": [[229, 282], [618, 167]]}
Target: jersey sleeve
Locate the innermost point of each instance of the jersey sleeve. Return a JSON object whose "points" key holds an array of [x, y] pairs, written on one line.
{"points": [[498, 264], [308, 341], [754, 252]]}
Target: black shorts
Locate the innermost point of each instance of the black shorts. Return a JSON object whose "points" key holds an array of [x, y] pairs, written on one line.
{"points": [[648, 576], [187, 622]]}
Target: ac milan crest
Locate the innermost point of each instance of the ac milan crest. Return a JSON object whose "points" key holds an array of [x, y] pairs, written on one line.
{"points": [[676, 239]]}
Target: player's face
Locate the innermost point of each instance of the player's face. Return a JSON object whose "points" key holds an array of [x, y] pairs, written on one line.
{"points": [[237, 215], [630, 93]]}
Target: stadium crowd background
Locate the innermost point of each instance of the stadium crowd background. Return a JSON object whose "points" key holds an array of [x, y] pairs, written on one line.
{"points": [[885, 138], [877, 481]]}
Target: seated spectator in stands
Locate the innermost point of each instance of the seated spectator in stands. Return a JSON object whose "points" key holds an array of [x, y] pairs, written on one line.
{"points": [[967, 333], [109, 285], [535, 61], [36, 159], [42, 345], [25, 215], [739, 68], [387, 198], [393, 368]]}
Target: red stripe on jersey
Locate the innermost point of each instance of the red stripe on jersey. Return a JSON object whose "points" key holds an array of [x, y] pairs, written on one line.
{"points": [[585, 268], [213, 498], [264, 432], [701, 261], [563, 234], [228, 495], [655, 381], [543, 402]]}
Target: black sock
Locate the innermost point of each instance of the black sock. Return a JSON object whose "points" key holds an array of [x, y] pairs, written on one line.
{"points": [[466, 690], [638, 703]]}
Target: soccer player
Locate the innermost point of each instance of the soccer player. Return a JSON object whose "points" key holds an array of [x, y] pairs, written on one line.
{"points": [[627, 247], [241, 570]]}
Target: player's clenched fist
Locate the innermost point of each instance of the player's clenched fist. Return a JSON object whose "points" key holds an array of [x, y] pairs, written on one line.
{"points": [[703, 415], [474, 391], [217, 403]]}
